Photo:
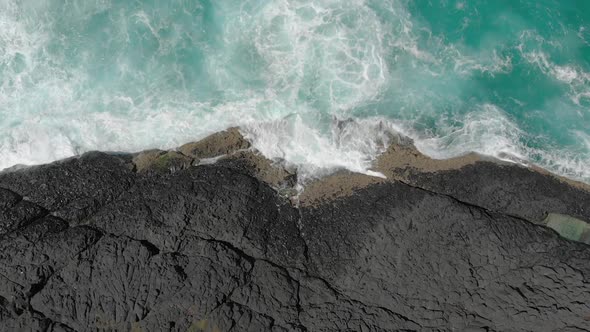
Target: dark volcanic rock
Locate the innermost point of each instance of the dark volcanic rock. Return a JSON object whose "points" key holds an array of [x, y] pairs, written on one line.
{"points": [[510, 189], [506, 187], [89, 244], [73, 188]]}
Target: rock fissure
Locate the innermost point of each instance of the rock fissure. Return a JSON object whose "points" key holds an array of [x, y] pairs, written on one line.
{"points": [[488, 212]]}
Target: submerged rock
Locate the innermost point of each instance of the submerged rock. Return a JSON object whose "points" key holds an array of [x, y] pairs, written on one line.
{"points": [[101, 243]]}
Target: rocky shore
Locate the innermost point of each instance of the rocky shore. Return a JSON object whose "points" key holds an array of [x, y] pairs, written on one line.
{"points": [[214, 237]]}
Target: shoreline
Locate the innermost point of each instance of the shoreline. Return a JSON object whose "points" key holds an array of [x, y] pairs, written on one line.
{"points": [[401, 153], [473, 178], [401, 162]]}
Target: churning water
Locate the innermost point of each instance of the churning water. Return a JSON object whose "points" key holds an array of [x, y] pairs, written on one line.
{"points": [[319, 83]]}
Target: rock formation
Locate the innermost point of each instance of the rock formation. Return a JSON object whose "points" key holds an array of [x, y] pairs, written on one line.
{"points": [[162, 241]]}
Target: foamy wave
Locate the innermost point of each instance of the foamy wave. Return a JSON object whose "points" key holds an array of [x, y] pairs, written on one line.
{"points": [[349, 144], [489, 131], [323, 57], [329, 53], [576, 79], [320, 84], [491, 64]]}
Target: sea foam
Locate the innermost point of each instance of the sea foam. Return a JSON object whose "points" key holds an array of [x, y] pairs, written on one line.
{"points": [[319, 84]]}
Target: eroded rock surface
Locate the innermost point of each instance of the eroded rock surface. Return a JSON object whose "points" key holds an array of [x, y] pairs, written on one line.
{"points": [[93, 243], [221, 143]]}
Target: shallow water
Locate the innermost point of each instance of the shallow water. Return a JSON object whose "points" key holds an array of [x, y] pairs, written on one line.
{"points": [[319, 83]]}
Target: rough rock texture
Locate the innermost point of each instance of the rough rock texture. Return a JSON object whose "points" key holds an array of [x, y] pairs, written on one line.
{"points": [[340, 184], [161, 161], [504, 187], [221, 143], [253, 163], [92, 243]]}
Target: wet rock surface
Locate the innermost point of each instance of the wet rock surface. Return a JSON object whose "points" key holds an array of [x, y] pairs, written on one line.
{"points": [[221, 143], [93, 243]]}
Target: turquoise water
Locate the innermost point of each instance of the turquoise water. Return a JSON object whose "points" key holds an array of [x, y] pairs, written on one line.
{"points": [[318, 83]]}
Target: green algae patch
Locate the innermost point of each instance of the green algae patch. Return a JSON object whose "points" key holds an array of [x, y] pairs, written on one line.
{"points": [[569, 227]]}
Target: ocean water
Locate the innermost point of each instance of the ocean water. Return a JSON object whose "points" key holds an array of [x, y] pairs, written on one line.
{"points": [[319, 83]]}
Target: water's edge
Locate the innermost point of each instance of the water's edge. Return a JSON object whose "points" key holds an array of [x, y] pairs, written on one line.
{"points": [[318, 83], [393, 162]]}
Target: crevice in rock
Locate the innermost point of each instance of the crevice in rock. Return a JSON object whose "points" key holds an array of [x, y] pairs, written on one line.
{"points": [[298, 306], [26, 222], [150, 247], [301, 234], [19, 198], [50, 321], [488, 212], [13, 192], [180, 271], [37, 287], [9, 280], [230, 246], [389, 311]]}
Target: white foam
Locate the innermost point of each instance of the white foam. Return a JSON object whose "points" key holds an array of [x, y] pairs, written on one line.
{"points": [[577, 80], [323, 50], [482, 63], [350, 144], [489, 131], [584, 137], [291, 73], [330, 50]]}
